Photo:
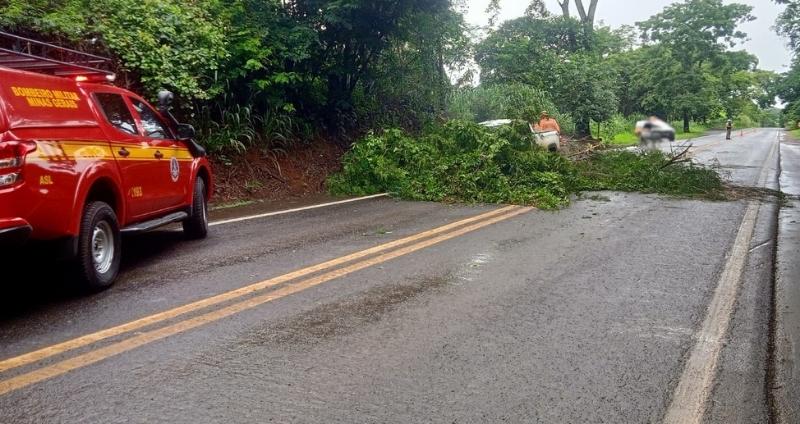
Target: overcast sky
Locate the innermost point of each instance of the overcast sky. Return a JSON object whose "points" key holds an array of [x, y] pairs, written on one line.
{"points": [[764, 43]]}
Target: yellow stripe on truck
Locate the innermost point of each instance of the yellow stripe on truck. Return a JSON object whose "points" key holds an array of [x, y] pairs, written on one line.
{"points": [[80, 150]]}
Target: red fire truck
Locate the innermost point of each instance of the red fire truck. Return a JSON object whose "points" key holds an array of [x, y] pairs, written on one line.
{"points": [[82, 161]]}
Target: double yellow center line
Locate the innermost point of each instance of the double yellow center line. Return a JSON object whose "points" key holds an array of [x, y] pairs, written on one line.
{"points": [[229, 303]]}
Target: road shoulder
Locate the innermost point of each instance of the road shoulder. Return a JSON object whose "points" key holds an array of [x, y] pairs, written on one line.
{"points": [[786, 360]]}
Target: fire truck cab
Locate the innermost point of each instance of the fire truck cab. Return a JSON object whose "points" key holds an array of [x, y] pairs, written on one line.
{"points": [[82, 161]]}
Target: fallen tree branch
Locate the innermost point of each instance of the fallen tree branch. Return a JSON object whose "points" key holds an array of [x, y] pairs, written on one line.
{"points": [[679, 158], [585, 152]]}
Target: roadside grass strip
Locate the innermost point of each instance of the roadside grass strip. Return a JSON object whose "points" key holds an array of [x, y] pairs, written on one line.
{"points": [[383, 253]]}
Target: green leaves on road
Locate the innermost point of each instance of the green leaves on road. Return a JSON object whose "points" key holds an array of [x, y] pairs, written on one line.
{"points": [[649, 172], [465, 162]]}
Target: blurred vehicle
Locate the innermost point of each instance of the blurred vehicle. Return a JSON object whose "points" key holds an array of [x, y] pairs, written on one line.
{"points": [[549, 140], [654, 130]]}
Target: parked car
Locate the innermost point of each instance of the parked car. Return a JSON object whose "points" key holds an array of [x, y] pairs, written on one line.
{"points": [[82, 161]]}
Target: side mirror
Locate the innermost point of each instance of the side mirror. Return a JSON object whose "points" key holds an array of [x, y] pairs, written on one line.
{"points": [[165, 99], [185, 132]]}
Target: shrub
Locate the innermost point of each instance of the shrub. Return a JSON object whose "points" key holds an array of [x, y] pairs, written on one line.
{"points": [[232, 126]]}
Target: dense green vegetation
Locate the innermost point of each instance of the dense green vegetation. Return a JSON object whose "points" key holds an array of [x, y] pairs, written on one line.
{"points": [[458, 161], [253, 73], [260, 73], [462, 161], [264, 74], [788, 86], [650, 172]]}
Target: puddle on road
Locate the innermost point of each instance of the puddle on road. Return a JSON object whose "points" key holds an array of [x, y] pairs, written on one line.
{"points": [[650, 330], [471, 269], [341, 318], [510, 244]]}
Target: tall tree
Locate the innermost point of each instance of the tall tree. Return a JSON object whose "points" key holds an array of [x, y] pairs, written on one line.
{"points": [[694, 34], [788, 25], [352, 35], [564, 7], [788, 89], [537, 9], [409, 85], [587, 17], [493, 10], [788, 22], [553, 55], [736, 82]]}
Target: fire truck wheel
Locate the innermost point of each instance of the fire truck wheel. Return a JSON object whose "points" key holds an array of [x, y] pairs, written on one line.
{"points": [[99, 247], [196, 226]]}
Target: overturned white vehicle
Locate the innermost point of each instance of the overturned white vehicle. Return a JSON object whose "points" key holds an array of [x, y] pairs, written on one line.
{"points": [[549, 140]]}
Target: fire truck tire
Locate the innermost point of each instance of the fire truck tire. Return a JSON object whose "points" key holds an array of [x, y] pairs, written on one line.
{"points": [[99, 247], [196, 226]]}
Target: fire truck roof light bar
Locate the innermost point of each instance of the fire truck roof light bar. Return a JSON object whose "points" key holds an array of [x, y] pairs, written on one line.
{"points": [[83, 63]]}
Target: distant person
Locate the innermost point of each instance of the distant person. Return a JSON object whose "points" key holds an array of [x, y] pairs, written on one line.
{"points": [[728, 129], [547, 123]]}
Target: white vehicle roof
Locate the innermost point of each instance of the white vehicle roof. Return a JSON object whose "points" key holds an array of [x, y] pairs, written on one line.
{"points": [[657, 125], [496, 123]]}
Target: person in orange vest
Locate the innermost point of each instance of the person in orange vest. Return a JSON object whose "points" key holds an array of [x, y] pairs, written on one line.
{"points": [[547, 123]]}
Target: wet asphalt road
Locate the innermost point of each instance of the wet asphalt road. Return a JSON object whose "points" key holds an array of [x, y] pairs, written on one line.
{"points": [[787, 290], [582, 315]]}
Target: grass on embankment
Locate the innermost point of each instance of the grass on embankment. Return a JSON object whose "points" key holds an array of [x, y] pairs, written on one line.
{"points": [[795, 134], [624, 139], [465, 162], [697, 131]]}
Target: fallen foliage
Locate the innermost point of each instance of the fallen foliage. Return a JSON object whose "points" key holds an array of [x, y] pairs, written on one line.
{"points": [[465, 162]]}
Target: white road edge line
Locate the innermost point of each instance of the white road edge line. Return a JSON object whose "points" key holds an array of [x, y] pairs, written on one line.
{"points": [[287, 211], [694, 388], [688, 405]]}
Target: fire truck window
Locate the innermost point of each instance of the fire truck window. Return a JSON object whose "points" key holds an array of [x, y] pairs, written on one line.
{"points": [[116, 112], [154, 127]]}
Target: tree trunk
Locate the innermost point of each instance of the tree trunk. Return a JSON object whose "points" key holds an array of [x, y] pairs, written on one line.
{"points": [[582, 129], [686, 121], [587, 18], [581, 10], [564, 7], [592, 11], [443, 82], [339, 105]]}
